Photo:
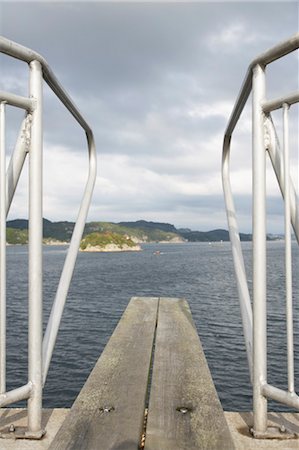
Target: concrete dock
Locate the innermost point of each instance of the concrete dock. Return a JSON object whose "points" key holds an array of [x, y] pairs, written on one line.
{"points": [[239, 425], [52, 420]]}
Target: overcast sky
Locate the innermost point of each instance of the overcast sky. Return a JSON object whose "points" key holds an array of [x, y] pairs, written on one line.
{"points": [[157, 83]]}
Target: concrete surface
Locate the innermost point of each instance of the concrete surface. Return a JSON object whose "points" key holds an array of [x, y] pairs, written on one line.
{"points": [[51, 421], [240, 424]]}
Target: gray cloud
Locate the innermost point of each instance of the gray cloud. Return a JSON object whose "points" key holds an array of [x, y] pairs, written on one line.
{"points": [[157, 82]]}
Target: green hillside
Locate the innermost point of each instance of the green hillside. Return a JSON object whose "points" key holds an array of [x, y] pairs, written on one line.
{"points": [[211, 236], [142, 234], [15, 236], [102, 239], [139, 231], [62, 231]]}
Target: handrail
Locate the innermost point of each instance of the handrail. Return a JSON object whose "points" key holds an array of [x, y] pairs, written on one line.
{"points": [[271, 55], [255, 328], [277, 163], [13, 173], [22, 53]]}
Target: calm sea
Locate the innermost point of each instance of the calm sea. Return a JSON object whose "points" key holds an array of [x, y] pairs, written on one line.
{"points": [[100, 291]]}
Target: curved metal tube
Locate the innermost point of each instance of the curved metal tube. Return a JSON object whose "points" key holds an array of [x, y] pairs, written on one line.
{"points": [[238, 260], [263, 59], [269, 56], [277, 164], [22, 53], [68, 268], [25, 54]]}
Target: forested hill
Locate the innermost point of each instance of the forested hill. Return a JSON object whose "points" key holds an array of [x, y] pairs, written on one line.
{"points": [[210, 236], [143, 224], [139, 231]]}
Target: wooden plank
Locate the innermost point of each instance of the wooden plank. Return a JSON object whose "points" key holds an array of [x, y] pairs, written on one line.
{"points": [[184, 409], [109, 411]]}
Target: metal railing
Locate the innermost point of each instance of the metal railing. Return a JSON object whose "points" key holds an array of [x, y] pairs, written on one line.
{"points": [[30, 142], [264, 139]]}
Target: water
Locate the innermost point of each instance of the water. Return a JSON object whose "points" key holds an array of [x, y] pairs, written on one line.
{"points": [[101, 288]]}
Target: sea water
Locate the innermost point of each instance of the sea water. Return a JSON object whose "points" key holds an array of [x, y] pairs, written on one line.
{"points": [[101, 288]]}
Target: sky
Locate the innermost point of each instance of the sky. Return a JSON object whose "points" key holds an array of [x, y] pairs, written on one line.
{"points": [[157, 83]]}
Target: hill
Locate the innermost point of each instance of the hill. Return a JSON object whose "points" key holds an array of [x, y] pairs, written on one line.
{"points": [[211, 236], [144, 225], [62, 231], [107, 242], [15, 236], [139, 231]]}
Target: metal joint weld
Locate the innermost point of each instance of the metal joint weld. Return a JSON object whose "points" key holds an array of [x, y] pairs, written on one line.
{"points": [[26, 132]]}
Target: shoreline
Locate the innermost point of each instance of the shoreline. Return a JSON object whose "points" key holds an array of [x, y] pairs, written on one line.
{"points": [[109, 248]]}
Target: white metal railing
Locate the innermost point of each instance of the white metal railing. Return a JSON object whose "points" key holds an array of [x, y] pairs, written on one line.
{"points": [[264, 139], [29, 142]]}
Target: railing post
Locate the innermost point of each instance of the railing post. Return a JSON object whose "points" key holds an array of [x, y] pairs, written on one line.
{"points": [[35, 254], [30, 141], [17, 160], [288, 250], [259, 253], [2, 251]]}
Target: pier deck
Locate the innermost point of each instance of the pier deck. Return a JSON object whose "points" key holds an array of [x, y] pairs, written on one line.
{"points": [[153, 361], [239, 424]]}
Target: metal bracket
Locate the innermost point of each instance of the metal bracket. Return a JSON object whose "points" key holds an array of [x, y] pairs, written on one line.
{"points": [[275, 432], [12, 432], [267, 134], [26, 132]]}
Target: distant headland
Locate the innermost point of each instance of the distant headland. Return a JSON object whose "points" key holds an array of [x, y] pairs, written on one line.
{"points": [[122, 236]]}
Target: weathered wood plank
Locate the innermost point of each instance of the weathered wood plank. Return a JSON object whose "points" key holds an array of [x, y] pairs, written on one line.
{"points": [[108, 413], [182, 382]]}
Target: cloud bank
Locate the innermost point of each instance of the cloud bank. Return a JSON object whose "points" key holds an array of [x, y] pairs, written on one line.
{"points": [[157, 83]]}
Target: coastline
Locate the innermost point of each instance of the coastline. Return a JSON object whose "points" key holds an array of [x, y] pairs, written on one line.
{"points": [[111, 248]]}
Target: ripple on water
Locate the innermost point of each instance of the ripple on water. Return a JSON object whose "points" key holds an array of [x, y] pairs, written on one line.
{"points": [[99, 293]]}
